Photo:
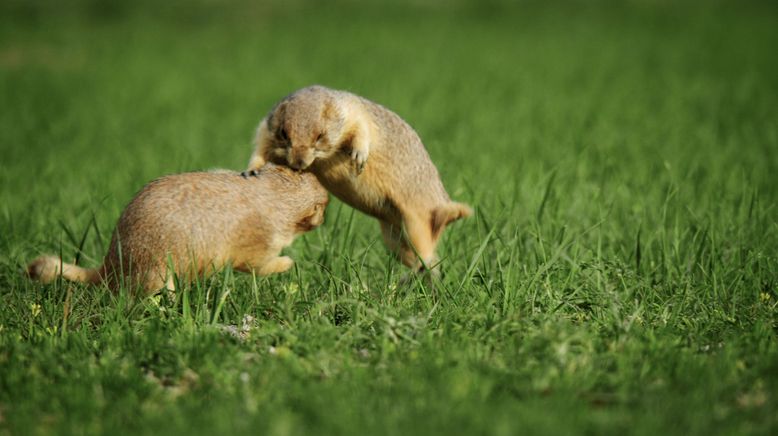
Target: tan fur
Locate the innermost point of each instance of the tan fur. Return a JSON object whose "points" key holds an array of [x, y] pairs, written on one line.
{"points": [[198, 223], [367, 156]]}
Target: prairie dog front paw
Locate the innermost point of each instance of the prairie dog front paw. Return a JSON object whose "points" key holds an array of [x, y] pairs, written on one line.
{"points": [[359, 157], [256, 162]]}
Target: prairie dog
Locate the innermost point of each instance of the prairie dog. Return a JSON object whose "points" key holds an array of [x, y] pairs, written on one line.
{"points": [[198, 223], [368, 157]]}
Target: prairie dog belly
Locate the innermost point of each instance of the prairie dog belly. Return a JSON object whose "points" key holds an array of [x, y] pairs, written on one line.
{"points": [[365, 192]]}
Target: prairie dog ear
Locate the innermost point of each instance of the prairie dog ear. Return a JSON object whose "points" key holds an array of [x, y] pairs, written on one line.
{"points": [[308, 222], [277, 115], [261, 134]]}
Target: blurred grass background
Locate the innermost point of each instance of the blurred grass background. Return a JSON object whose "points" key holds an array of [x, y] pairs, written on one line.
{"points": [[619, 275]]}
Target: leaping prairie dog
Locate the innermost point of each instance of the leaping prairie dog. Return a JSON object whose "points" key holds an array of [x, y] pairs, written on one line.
{"points": [[198, 223], [368, 157]]}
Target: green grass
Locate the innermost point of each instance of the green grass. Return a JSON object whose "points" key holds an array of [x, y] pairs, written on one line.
{"points": [[620, 274]]}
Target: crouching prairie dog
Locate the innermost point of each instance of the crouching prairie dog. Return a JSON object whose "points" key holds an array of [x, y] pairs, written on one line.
{"points": [[199, 222], [368, 157]]}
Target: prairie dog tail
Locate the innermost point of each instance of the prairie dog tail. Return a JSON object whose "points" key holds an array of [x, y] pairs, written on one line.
{"points": [[446, 214], [47, 268]]}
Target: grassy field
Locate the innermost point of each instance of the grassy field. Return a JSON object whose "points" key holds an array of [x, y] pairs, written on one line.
{"points": [[620, 274]]}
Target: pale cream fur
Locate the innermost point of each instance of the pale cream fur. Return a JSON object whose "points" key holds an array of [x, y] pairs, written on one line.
{"points": [[193, 224]]}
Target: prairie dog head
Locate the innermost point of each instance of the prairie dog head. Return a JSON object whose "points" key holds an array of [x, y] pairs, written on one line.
{"points": [[305, 126], [313, 213], [302, 191], [314, 217]]}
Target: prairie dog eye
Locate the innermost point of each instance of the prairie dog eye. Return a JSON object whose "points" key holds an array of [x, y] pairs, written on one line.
{"points": [[320, 137], [282, 134]]}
